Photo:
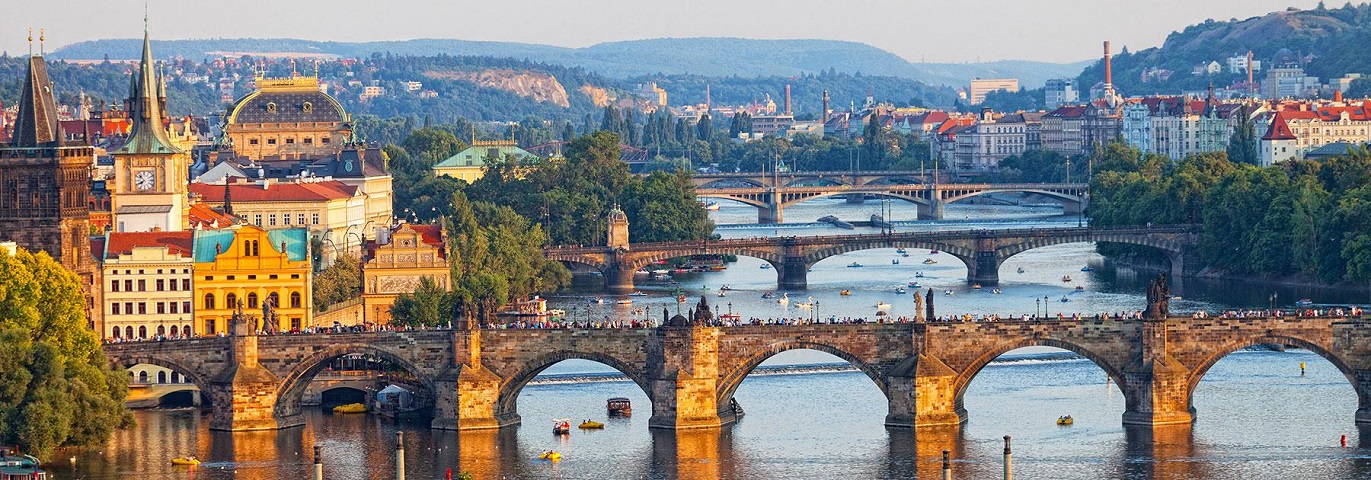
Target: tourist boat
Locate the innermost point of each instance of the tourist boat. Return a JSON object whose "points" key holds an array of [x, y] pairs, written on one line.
{"points": [[1066, 278], [550, 456], [976, 286], [845, 292], [882, 305], [619, 407], [718, 268], [766, 266], [1020, 269], [933, 252], [1065, 420], [900, 251], [767, 295], [590, 425], [637, 294], [900, 290], [14, 466], [186, 460], [561, 426], [854, 265], [894, 261], [623, 301], [350, 408], [929, 261], [1087, 268]]}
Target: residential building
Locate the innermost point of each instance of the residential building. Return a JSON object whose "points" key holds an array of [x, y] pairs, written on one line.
{"points": [[1177, 126], [396, 262], [328, 209], [771, 125], [147, 285], [150, 169], [993, 138], [1239, 64], [1297, 128], [45, 186], [1063, 130], [1060, 91], [980, 87], [264, 274], [1279, 143], [470, 164]]}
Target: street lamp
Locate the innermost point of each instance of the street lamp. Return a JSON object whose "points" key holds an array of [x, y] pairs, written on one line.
{"points": [[1037, 305], [1045, 304]]}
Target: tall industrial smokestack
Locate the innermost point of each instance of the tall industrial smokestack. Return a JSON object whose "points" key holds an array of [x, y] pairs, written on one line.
{"points": [[1249, 67], [825, 117], [787, 99], [1108, 70], [707, 99]]}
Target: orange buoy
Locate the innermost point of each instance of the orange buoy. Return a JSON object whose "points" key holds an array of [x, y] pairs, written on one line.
{"points": [[1344, 441]]}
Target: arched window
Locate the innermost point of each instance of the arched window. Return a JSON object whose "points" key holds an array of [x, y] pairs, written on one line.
{"points": [[274, 299], [116, 332], [142, 332], [128, 332], [230, 301], [185, 330], [294, 299], [162, 377], [161, 330], [209, 301], [143, 376], [175, 331], [252, 300]]}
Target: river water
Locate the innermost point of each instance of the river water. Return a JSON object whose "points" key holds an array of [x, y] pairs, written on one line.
{"points": [[1257, 416]]}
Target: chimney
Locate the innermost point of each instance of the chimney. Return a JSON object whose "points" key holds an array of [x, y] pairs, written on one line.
{"points": [[1108, 70], [787, 99], [1249, 68], [707, 99], [825, 117]]}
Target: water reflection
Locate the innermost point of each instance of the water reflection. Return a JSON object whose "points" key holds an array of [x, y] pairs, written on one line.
{"points": [[1160, 452]]}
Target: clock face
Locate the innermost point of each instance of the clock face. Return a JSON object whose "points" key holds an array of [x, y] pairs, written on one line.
{"points": [[144, 180]]}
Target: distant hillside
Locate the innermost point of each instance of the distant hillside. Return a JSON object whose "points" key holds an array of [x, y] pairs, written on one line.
{"points": [[716, 57], [1328, 42]]}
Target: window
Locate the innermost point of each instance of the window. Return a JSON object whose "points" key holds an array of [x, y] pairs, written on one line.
{"points": [[128, 285], [274, 299], [325, 139], [309, 141], [161, 308], [114, 285], [128, 308], [272, 276], [161, 285], [271, 219], [230, 277], [290, 141], [314, 218], [142, 308], [172, 284], [230, 301], [115, 332], [209, 326], [257, 219], [294, 299], [252, 141], [271, 141], [252, 300], [285, 219], [252, 277], [175, 331], [175, 308], [295, 323], [128, 332], [185, 329], [300, 219], [114, 310], [208, 277], [185, 284]]}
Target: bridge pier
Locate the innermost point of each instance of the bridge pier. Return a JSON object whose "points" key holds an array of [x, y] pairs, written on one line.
{"points": [[1156, 388], [467, 400], [244, 396], [1072, 207], [925, 399], [619, 279], [793, 274], [931, 211], [684, 384], [770, 214]]}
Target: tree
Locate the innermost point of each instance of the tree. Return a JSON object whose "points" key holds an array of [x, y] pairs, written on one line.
{"points": [[1242, 146], [56, 386], [427, 306], [339, 282], [704, 129]]}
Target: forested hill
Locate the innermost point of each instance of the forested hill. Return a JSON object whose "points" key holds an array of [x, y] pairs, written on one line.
{"points": [[1328, 42], [715, 57]]}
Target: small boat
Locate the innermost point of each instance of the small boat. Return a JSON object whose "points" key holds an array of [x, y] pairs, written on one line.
{"points": [[1064, 299], [1020, 269], [624, 301], [1087, 268], [996, 292], [589, 425], [854, 265], [1303, 302], [550, 456], [561, 427], [725, 288], [947, 292], [914, 285], [1065, 420], [186, 460], [722, 293], [637, 294], [900, 290], [894, 261], [976, 286], [619, 407], [882, 306], [350, 408], [929, 261], [1080, 288], [597, 300], [766, 266], [768, 295], [14, 466], [933, 252], [918, 274], [900, 251], [904, 254], [1066, 278], [712, 206], [718, 268], [845, 292]]}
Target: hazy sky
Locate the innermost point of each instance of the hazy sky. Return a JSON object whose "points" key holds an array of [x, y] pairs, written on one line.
{"points": [[943, 31]]}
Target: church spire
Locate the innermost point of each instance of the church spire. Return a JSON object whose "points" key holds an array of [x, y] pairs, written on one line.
{"points": [[36, 125], [147, 134]]}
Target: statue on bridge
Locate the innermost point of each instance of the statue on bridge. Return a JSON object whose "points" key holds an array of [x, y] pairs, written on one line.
{"points": [[928, 306], [702, 315], [1158, 299], [918, 307]]}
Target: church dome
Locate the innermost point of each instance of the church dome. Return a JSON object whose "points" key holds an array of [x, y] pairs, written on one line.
{"points": [[292, 100]]}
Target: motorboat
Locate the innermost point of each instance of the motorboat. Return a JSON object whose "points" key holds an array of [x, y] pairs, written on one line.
{"points": [[561, 426], [918, 274], [623, 301], [768, 295], [725, 288], [900, 290], [711, 206], [882, 306], [597, 300], [550, 456], [1066, 278], [1087, 268], [894, 261], [904, 254], [1080, 288], [933, 252], [1020, 269], [1064, 299], [723, 293], [718, 268], [914, 285], [845, 292], [766, 266], [1065, 420], [1303, 302], [619, 407], [929, 261], [996, 292], [901, 251], [186, 460], [350, 408], [854, 265], [947, 292], [976, 286], [637, 294], [590, 425]]}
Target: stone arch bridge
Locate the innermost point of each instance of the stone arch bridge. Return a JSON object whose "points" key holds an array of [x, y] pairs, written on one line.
{"points": [[690, 373], [983, 251]]}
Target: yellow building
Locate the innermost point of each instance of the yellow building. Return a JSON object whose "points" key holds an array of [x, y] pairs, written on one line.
{"points": [[287, 118], [404, 256], [251, 268], [470, 164], [331, 210], [147, 285]]}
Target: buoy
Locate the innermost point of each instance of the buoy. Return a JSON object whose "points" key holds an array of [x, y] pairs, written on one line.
{"points": [[1344, 440], [1302, 374]]}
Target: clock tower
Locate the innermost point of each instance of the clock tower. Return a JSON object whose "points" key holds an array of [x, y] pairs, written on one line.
{"points": [[150, 171]]}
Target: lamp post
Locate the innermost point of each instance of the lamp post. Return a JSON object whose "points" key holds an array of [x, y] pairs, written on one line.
{"points": [[1037, 305], [1045, 304]]}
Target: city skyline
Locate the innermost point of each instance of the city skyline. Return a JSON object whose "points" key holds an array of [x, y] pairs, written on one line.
{"points": [[1060, 32]]}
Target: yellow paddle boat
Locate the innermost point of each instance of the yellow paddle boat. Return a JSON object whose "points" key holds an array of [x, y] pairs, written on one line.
{"points": [[1065, 420], [550, 456], [589, 425], [186, 460], [845, 293], [350, 408]]}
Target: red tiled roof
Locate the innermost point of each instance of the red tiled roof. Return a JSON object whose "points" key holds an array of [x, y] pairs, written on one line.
{"points": [[203, 216], [179, 243], [431, 234], [277, 192], [1279, 129], [1069, 111]]}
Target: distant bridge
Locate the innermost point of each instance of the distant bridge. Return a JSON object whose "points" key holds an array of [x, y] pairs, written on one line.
{"points": [[983, 251]]}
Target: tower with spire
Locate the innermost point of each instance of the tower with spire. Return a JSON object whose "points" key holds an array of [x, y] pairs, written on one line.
{"points": [[151, 171], [44, 184]]}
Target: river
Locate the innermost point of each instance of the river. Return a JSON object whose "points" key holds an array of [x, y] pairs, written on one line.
{"points": [[1257, 416]]}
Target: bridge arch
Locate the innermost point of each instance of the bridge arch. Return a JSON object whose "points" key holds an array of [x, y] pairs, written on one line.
{"points": [[730, 381], [1199, 371], [758, 202], [969, 373], [962, 252], [775, 259], [199, 379], [293, 384], [507, 404], [816, 181], [790, 199], [592, 262], [1174, 252], [1064, 196]]}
